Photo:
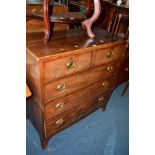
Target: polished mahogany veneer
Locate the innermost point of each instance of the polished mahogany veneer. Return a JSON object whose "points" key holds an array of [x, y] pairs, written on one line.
{"points": [[70, 77]]}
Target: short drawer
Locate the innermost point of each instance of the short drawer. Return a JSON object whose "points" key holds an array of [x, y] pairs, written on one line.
{"points": [[104, 56], [66, 65], [59, 105], [72, 83], [73, 114]]}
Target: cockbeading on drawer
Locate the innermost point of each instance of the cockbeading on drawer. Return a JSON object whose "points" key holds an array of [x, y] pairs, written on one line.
{"points": [[77, 81], [66, 66], [61, 104], [73, 114], [106, 55]]}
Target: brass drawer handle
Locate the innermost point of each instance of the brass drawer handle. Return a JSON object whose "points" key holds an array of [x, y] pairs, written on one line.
{"points": [[126, 69], [61, 86], [110, 54], [100, 98], [104, 84], [110, 68], [71, 64], [59, 122], [60, 105]]}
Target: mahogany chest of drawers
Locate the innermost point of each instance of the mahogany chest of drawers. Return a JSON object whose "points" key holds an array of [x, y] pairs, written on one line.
{"points": [[70, 77]]}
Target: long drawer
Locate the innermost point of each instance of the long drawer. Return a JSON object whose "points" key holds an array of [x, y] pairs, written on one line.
{"points": [[66, 65], [73, 114], [69, 84], [61, 104]]}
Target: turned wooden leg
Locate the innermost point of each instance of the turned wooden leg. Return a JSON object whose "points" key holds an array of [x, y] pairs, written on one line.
{"points": [[44, 143], [46, 21]]}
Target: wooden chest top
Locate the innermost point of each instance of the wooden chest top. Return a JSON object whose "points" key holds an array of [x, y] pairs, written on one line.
{"points": [[62, 43]]}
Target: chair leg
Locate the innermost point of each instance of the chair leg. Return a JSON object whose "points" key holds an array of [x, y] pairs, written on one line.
{"points": [[125, 88], [46, 21]]}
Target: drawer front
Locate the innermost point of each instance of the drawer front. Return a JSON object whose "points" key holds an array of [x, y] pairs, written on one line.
{"points": [[104, 56], [73, 114], [65, 66], [59, 105], [69, 84]]}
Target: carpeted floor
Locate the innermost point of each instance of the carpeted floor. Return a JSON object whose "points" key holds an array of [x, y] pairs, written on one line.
{"points": [[100, 133]]}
